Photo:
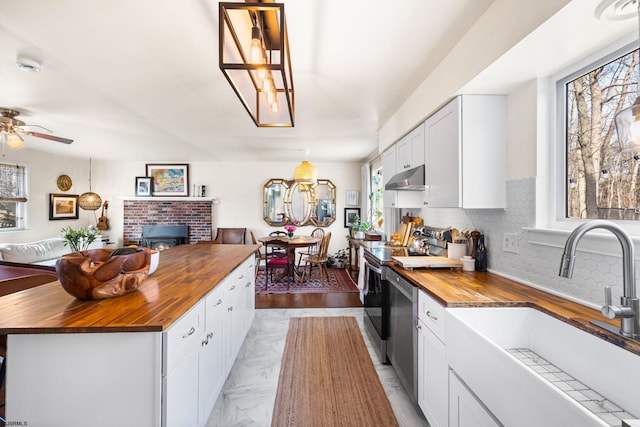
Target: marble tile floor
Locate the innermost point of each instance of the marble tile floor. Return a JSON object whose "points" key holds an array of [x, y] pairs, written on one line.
{"points": [[249, 393]]}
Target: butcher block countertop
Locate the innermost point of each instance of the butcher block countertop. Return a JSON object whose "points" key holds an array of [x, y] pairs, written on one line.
{"points": [[186, 273], [455, 288]]}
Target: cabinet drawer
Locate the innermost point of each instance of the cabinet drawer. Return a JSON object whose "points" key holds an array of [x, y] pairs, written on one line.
{"points": [[181, 336], [431, 313]]}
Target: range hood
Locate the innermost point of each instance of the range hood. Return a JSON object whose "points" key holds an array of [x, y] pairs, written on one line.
{"points": [[411, 180]]}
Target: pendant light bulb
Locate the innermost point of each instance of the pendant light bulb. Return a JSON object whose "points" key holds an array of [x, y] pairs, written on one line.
{"points": [[256, 46], [274, 106]]}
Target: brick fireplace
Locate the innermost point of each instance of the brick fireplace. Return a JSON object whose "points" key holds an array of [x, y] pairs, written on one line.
{"points": [[193, 212]]}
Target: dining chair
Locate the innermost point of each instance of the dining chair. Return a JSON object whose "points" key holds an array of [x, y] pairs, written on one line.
{"points": [[261, 256], [279, 250], [231, 235], [311, 250], [319, 260], [274, 260]]}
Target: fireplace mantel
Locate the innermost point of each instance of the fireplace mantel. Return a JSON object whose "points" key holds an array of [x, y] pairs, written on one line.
{"points": [[171, 199]]}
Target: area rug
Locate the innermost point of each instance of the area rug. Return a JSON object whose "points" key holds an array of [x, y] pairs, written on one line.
{"points": [[327, 377], [339, 281]]}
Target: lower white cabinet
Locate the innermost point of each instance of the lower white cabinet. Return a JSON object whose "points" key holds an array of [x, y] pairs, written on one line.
{"points": [[220, 323], [432, 362], [465, 410]]}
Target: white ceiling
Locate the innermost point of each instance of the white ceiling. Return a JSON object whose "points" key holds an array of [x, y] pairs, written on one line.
{"points": [[140, 79]]}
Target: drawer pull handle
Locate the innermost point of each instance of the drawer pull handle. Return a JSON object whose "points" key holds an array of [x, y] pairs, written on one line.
{"points": [[241, 277], [247, 285], [431, 316], [230, 308], [218, 303], [191, 331], [210, 335], [232, 287], [205, 342]]}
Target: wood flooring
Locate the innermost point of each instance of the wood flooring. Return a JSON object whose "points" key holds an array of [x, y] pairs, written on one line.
{"points": [[310, 300]]}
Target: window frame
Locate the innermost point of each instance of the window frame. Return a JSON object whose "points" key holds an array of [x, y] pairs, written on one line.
{"points": [[21, 207], [552, 158]]}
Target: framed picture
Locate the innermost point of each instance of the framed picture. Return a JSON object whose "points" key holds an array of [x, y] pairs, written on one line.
{"points": [[143, 186], [169, 179], [352, 198], [349, 216], [63, 206]]}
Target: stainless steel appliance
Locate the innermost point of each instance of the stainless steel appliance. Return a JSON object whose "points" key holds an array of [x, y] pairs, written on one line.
{"points": [[402, 342], [376, 298]]}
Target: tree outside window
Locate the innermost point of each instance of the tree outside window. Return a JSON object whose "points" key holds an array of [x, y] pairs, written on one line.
{"points": [[602, 181], [13, 198]]}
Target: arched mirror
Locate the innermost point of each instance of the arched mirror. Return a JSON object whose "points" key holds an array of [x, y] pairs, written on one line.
{"points": [[274, 197], [324, 203], [288, 202], [298, 203]]}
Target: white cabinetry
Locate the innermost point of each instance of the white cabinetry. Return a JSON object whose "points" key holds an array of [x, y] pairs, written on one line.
{"points": [[180, 381], [467, 153], [410, 150], [201, 347], [465, 408], [394, 198], [432, 361]]}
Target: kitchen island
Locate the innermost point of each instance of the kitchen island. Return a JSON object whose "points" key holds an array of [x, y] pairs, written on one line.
{"points": [[136, 359]]}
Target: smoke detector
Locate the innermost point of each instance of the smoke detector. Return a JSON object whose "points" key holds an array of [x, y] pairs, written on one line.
{"points": [[28, 65]]}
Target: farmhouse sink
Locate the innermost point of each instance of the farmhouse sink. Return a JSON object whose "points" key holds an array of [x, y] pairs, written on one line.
{"points": [[531, 369]]}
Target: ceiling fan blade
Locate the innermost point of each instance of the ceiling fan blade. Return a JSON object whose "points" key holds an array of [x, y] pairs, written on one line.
{"points": [[51, 137]]}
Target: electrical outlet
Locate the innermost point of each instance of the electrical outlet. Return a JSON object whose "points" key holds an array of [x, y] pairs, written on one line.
{"points": [[510, 243]]}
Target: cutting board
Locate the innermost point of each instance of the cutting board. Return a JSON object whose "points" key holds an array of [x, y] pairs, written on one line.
{"points": [[411, 262]]}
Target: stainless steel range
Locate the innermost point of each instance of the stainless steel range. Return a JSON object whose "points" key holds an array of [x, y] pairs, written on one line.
{"points": [[391, 303]]}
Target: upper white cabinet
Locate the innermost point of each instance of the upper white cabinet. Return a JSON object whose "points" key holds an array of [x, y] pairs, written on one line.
{"points": [[410, 150], [395, 198], [466, 150]]}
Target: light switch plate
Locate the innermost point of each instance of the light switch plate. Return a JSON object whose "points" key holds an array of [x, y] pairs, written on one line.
{"points": [[510, 243]]}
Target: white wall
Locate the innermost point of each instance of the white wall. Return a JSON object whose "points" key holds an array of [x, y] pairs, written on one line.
{"points": [[236, 185]]}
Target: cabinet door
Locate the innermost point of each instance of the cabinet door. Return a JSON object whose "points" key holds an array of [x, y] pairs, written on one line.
{"points": [[403, 154], [388, 164], [442, 134], [417, 143], [432, 377], [211, 361], [248, 284], [465, 410], [181, 392], [233, 323]]}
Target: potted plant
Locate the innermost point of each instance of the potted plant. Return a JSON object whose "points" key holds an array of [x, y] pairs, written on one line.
{"points": [[80, 239], [358, 227], [339, 259]]}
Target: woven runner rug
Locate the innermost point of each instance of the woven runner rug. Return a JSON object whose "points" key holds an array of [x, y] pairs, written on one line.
{"points": [[327, 377], [339, 281]]}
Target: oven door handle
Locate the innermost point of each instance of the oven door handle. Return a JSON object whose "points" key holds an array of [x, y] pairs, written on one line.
{"points": [[373, 268]]}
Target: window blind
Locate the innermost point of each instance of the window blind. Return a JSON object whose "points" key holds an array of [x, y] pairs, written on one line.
{"points": [[13, 183]]}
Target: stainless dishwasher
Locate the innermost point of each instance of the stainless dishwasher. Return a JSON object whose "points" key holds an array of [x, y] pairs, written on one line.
{"points": [[402, 344]]}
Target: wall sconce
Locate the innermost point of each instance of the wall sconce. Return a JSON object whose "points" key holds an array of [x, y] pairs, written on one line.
{"points": [[254, 56]]}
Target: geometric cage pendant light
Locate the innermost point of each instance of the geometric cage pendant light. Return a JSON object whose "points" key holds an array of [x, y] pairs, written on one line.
{"points": [[253, 55], [90, 201]]}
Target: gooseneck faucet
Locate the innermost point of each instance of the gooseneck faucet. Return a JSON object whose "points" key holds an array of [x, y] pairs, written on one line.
{"points": [[629, 308]]}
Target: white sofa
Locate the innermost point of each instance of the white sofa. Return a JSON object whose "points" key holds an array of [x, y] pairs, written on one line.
{"points": [[42, 252]]}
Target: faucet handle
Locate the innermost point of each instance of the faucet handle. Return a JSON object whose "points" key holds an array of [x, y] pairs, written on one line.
{"points": [[609, 310]]}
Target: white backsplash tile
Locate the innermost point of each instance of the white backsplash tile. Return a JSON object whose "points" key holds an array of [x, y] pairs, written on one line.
{"points": [[533, 264]]}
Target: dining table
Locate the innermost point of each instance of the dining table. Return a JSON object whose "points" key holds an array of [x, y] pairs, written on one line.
{"points": [[290, 244]]}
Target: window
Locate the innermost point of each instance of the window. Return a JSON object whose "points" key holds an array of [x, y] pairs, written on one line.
{"points": [[13, 196], [601, 180], [375, 199]]}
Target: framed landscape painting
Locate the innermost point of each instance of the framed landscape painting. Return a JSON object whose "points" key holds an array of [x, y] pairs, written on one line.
{"points": [[169, 179], [63, 206]]}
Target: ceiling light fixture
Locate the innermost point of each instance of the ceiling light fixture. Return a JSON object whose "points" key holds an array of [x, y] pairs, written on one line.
{"points": [[89, 201], [628, 120], [305, 173], [254, 56], [15, 141]]}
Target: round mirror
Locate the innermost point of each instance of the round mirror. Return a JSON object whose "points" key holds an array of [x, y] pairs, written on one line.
{"points": [[299, 203], [324, 203], [274, 197]]}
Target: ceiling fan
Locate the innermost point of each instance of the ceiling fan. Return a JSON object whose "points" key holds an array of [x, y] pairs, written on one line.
{"points": [[11, 129]]}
